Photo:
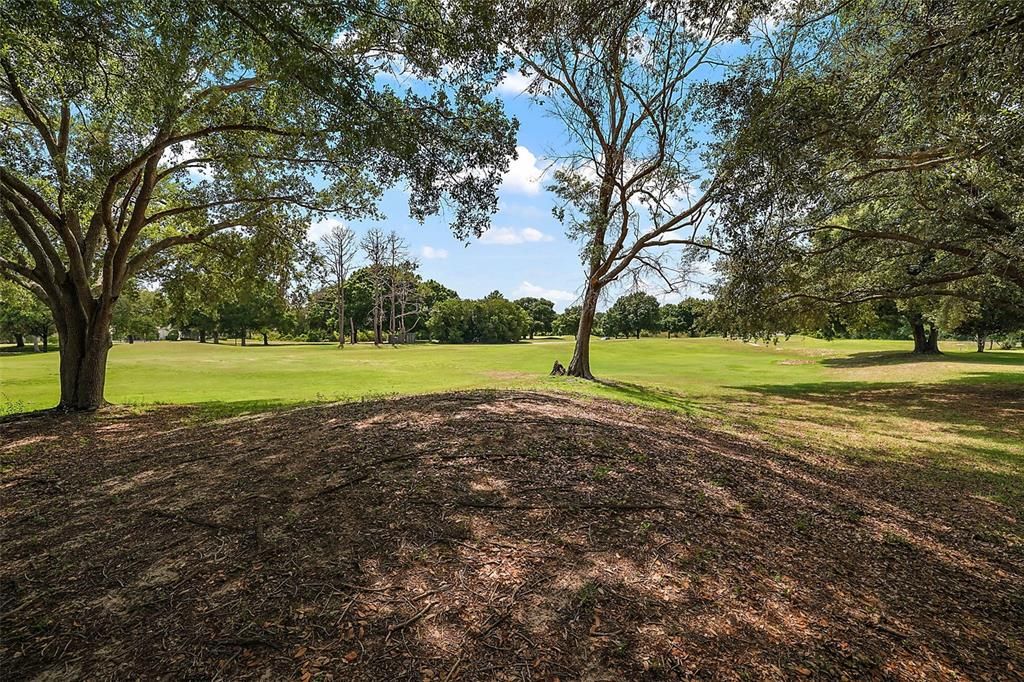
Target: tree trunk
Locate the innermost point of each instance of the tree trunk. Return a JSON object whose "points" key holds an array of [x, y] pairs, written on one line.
{"points": [[46, 340], [579, 366], [352, 325], [266, 341], [216, 337], [35, 343], [925, 342], [19, 340], [341, 312], [202, 336], [981, 343], [131, 338], [638, 333], [245, 333], [83, 360]]}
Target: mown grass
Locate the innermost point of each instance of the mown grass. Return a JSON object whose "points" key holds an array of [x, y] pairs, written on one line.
{"points": [[963, 411]]}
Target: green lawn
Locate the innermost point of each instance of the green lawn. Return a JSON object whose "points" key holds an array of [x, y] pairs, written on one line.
{"points": [[681, 373], [690, 370], [870, 399]]}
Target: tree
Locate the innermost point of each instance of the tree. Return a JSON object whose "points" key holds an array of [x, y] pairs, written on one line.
{"points": [[632, 314], [339, 249], [139, 313], [890, 164], [177, 120], [489, 320], [568, 322], [431, 292], [993, 309], [374, 245], [541, 311], [686, 317], [625, 81], [21, 314], [255, 305]]}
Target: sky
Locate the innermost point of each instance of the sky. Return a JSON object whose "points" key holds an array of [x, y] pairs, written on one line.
{"points": [[525, 253]]}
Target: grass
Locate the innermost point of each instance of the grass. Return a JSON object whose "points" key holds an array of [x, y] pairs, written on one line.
{"points": [[685, 372], [963, 410]]}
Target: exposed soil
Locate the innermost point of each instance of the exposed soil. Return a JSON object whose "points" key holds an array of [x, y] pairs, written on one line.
{"points": [[486, 536]]}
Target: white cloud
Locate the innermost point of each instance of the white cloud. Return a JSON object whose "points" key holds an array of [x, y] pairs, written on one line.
{"points": [[430, 253], [514, 83], [321, 228], [508, 236], [523, 173], [556, 295]]}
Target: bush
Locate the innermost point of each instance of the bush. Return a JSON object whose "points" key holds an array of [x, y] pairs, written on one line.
{"points": [[173, 335]]}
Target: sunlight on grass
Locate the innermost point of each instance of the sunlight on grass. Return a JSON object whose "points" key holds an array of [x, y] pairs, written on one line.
{"points": [[866, 400]]}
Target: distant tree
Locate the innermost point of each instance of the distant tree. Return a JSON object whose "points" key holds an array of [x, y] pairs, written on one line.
{"points": [[339, 250], [996, 309], [139, 314], [430, 293], [489, 320], [21, 314], [496, 295], [375, 248], [257, 305], [359, 297], [632, 314], [675, 320], [541, 311], [689, 316], [452, 321], [401, 280], [568, 323]]}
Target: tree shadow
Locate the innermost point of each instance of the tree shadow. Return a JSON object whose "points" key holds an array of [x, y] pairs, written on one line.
{"points": [[971, 427], [650, 396], [485, 535], [884, 358]]}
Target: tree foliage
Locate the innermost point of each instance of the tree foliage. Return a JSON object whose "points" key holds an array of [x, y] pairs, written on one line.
{"points": [[889, 164], [488, 320], [632, 314]]}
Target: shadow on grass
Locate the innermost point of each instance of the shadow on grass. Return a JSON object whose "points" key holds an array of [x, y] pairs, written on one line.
{"points": [[649, 396], [896, 357], [973, 426]]}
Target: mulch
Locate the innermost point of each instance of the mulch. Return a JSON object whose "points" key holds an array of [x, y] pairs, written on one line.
{"points": [[486, 536]]}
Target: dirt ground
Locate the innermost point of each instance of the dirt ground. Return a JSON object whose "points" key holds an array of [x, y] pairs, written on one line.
{"points": [[486, 536]]}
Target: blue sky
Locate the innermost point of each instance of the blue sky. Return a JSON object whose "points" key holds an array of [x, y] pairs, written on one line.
{"points": [[525, 253]]}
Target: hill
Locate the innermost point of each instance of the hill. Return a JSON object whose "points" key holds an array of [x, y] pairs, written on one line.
{"points": [[490, 535]]}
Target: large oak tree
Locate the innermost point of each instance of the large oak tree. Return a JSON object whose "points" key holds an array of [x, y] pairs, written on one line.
{"points": [[889, 163], [127, 129]]}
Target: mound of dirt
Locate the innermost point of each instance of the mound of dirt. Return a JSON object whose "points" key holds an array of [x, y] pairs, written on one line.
{"points": [[484, 536]]}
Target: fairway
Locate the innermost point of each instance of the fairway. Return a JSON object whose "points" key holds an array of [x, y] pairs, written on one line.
{"points": [[690, 369]]}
